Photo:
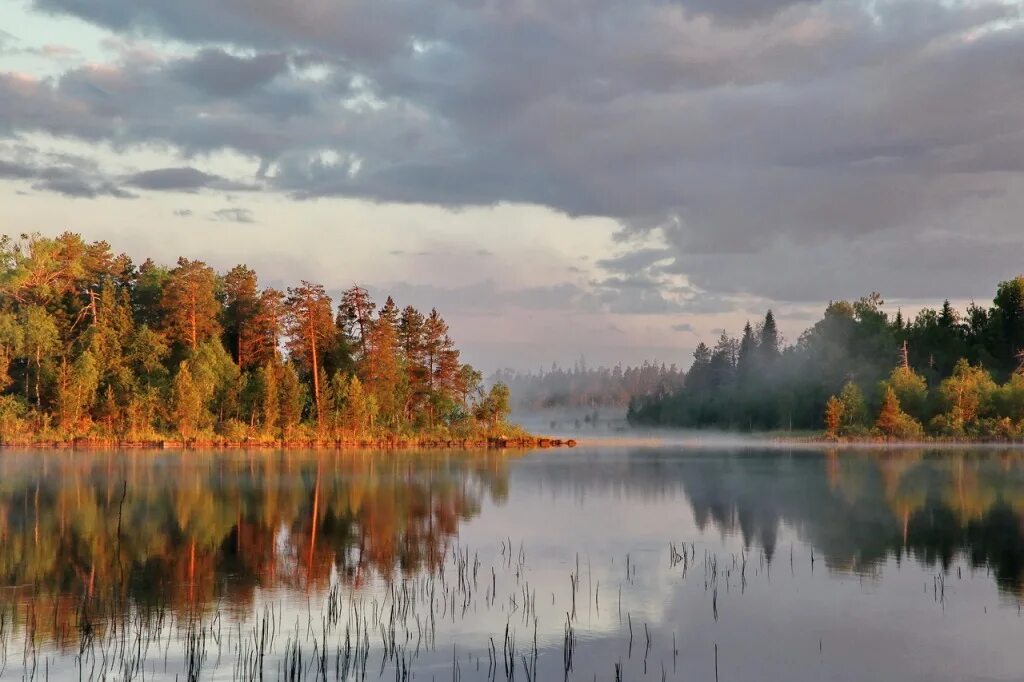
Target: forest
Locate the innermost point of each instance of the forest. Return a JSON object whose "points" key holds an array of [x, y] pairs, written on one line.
{"points": [[584, 386], [94, 347], [861, 372]]}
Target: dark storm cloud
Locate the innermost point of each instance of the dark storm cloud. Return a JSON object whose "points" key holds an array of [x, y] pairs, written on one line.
{"points": [[760, 136]]}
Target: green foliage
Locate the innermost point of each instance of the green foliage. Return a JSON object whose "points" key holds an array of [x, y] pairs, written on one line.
{"points": [[910, 389], [91, 346], [291, 400], [188, 411], [893, 422], [855, 411], [968, 396], [960, 373], [13, 424], [495, 407]]}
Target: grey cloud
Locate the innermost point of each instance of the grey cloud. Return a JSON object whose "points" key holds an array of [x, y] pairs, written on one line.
{"points": [[64, 174], [218, 73], [183, 212], [683, 327], [70, 184], [970, 264], [17, 171], [487, 298], [635, 260], [773, 124], [185, 179], [739, 10], [234, 215]]}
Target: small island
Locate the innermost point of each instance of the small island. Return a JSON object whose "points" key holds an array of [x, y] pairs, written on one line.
{"points": [[861, 374], [96, 351]]}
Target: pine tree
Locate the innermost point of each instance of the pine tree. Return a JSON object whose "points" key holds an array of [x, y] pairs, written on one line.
{"points": [[745, 362], [241, 306], [310, 328], [261, 338], [189, 303], [769, 343], [412, 338], [380, 365], [355, 315]]}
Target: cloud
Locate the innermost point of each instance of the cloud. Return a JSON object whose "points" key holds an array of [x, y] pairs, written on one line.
{"points": [[487, 298], [741, 11], [185, 179], [217, 73], [183, 212], [684, 327], [68, 175], [234, 215], [70, 184], [762, 139], [639, 259]]}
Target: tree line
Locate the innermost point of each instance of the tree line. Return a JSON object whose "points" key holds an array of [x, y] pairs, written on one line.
{"points": [[584, 386], [862, 372], [93, 346]]}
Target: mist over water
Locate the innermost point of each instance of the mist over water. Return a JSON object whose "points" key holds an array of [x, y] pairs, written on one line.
{"points": [[795, 564]]}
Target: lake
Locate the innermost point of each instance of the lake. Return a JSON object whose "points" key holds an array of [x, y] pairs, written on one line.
{"points": [[711, 562]]}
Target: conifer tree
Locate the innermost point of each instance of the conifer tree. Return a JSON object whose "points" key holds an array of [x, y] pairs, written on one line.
{"points": [[355, 315], [380, 367], [310, 328], [189, 303], [745, 361], [241, 306], [769, 343]]}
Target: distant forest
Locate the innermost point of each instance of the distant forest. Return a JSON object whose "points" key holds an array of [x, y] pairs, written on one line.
{"points": [[93, 346], [583, 386], [860, 372]]}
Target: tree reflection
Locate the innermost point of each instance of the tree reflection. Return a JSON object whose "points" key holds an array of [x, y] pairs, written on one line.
{"points": [[187, 531], [859, 508]]}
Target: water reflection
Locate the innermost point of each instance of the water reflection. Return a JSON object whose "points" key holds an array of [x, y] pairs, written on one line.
{"points": [[86, 539], [189, 529]]}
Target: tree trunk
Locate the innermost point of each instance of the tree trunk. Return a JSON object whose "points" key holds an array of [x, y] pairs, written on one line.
{"points": [[316, 370]]}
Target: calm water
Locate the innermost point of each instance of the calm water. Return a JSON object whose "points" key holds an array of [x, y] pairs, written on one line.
{"points": [[611, 562]]}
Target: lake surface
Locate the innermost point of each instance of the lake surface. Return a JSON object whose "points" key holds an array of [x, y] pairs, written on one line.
{"points": [[654, 562]]}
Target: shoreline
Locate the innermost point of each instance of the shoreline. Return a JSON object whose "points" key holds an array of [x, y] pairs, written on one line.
{"points": [[520, 443]]}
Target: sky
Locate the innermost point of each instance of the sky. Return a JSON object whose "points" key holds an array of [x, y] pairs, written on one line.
{"points": [[613, 179]]}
